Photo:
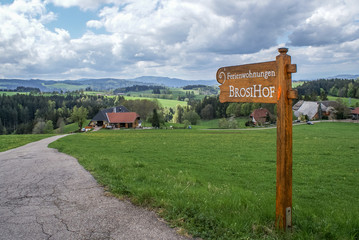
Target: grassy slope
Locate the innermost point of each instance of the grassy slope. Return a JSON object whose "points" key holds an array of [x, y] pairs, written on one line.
{"points": [[13, 141], [221, 185], [163, 102], [353, 101]]}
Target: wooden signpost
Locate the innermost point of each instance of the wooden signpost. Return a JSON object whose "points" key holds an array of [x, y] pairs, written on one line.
{"points": [[268, 82]]}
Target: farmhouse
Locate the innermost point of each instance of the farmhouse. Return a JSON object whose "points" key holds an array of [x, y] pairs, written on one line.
{"points": [[116, 117], [355, 113], [315, 110], [260, 115]]}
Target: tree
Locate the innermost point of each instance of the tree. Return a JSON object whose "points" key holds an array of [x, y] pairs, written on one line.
{"points": [[155, 121], [351, 90], [333, 91], [79, 115], [191, 116], [49, 127], [60, 125], [178, 117], [207, 112], [2, 128], [186, 123], [39, 127], [323, 95], [234, 109], [342, 111]]}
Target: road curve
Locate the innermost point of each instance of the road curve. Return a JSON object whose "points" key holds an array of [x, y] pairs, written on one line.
{"points": [[45, 194]]}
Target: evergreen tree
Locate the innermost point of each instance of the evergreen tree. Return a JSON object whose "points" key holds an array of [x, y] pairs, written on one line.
{"points": [[178, 117], [1, 128], [155, 119]]}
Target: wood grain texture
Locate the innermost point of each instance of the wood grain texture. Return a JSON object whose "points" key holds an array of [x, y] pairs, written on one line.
{"points": [[248, 83], [284, 143]]}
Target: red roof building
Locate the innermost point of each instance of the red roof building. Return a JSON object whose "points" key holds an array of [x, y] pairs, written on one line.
{"points": [[260, 115], [123, 119], [355, 113]]}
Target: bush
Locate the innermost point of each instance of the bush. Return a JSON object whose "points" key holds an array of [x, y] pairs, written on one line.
{"points": [[230, 123], [249, 123], [186, 124]]}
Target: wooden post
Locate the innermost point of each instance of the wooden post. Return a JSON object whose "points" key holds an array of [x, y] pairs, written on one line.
{"points": [[268, 82], [284, 140]]}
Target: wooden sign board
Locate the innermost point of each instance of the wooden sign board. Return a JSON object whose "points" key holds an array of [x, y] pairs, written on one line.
{"points": [[268, 82], [249, 83]]}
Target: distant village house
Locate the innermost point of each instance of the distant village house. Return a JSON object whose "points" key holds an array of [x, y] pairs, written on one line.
{"points": [[116, 117], [315, 110], [260, 115], [355, 113]]}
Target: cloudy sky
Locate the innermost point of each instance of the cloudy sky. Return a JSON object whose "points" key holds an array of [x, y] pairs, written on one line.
{"points": [[70, 39]]}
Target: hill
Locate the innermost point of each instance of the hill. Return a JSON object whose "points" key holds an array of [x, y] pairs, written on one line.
{"points": [[345, 76], [172, 82], [97, 84]]}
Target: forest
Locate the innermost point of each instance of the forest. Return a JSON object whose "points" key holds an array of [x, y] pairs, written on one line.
{"points": [[312, 90], [19, 113]]}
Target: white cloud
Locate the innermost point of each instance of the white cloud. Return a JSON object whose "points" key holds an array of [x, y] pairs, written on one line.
{"points": [[83, 4], [188, 39]]}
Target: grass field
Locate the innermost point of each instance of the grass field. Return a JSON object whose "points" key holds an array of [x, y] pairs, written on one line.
{"points": [[164, 102], [13, 141], [11, 93], [297, 83], [73, 127], [353, 102], [221, 184]]}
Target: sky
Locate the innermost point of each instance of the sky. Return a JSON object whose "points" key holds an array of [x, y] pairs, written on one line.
{"points": [[72, 39]]}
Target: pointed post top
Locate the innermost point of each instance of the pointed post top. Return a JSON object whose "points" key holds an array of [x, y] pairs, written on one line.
{"points": [[283, 50]]}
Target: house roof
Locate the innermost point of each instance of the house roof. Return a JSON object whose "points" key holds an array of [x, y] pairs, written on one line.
{"points": [[307, 108], [122, 117], [330, 103], [101, 115], [298, 105], [355, 110], [259, 113]]}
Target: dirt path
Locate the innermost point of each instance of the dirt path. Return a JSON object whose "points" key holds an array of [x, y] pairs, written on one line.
{"points": [[45, 194]]}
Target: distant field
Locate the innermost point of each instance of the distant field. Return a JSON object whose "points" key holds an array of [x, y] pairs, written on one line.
{"points": [[353, 102], [13, 141], [297, 83], [68, 87], [12, 93], [175, 92], [164, 102], [221, 184]]}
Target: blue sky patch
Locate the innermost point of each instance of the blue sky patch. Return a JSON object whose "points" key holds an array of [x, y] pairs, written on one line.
{"points": [[73, 20]]}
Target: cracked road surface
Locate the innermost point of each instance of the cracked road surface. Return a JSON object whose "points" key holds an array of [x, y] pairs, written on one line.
{"points": [[45, 194]]}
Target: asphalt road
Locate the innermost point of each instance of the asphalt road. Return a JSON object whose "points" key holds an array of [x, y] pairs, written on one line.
{"points": [[45, 194]]}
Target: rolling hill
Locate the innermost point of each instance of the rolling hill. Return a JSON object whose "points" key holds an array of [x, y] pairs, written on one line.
{"points": [[98, 84]]}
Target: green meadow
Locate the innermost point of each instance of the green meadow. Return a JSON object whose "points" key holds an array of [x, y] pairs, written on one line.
{"points": [[13, 141], [163, 102], [218, 184], [349, 102]]}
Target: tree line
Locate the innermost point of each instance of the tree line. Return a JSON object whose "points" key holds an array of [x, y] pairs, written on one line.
{"points": [[25, 114], [20, 113], [138, 88], [312, 90]]}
